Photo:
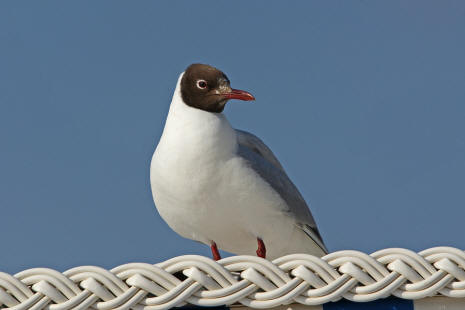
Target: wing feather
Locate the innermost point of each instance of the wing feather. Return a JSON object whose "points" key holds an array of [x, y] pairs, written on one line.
{"points": [[262, 160]]}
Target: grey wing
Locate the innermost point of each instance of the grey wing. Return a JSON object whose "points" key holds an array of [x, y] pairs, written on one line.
{"points": [[262, 160]]}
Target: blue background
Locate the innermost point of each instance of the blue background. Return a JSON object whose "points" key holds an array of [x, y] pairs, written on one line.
{"points": [[362, 101]]}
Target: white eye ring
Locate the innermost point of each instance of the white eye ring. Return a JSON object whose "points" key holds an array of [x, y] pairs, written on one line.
{"points": [[202, 84]]}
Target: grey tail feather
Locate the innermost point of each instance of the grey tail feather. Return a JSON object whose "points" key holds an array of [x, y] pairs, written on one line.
{"points": [[315, 236]]}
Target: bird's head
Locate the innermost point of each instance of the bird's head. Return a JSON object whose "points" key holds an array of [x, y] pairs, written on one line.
{"points": [[207, 88]]}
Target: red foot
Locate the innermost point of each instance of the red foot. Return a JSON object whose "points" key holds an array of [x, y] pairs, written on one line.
{"points": [[261, 251], [215, 252]]}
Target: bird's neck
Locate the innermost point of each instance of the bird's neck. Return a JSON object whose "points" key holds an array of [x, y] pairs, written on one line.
{"points": [[196, 133]]}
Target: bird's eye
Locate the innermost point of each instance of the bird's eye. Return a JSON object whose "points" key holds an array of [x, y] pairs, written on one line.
{"points": [[202, 84]]}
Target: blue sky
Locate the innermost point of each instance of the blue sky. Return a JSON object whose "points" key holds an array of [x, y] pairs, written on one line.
{"points": [[362, 101]]}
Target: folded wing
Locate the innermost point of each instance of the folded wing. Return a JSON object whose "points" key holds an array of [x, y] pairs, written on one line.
{"points": [[262, 160]]}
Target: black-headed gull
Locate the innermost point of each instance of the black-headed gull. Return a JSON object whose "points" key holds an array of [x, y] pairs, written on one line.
{"points": [[222, 186]]}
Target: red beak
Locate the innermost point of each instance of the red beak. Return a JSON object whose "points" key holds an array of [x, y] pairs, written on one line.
{"points": [[238, 94]]}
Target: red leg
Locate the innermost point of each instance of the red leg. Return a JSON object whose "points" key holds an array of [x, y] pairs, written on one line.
{"points": [[261, 251], [215, 252]]}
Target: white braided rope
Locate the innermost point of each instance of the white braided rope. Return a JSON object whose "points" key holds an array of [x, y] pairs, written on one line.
{"points": [[248, 280]]}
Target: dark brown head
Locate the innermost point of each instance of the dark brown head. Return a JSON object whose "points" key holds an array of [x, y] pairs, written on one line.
{"points": [[207, 88]]}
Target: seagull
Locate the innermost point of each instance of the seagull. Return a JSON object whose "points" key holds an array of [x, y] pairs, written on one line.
{"points": [[222, 186]]}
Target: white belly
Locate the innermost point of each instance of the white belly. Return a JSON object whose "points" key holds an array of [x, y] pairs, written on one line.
{"points": [[231, 206]]}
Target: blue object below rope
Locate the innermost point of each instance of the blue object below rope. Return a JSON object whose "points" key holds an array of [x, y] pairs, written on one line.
{"points": [[390, 303]]}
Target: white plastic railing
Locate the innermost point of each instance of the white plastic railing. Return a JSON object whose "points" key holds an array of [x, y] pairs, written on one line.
{"points": [[246, 280]]}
